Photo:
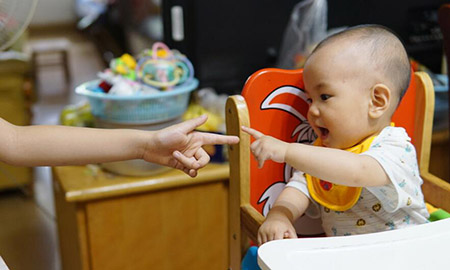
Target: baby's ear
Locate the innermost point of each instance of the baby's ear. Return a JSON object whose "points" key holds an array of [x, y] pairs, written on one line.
{"points": [[380, 100]]}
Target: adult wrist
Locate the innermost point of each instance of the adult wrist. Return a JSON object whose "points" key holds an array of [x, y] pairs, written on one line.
{"points": [[145, 143]]}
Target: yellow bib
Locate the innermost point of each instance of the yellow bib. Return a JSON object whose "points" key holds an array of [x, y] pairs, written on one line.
{"points": [[333, 196]]}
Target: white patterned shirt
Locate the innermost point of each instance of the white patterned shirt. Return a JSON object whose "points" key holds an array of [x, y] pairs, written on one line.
{"points": [[396, 205]]}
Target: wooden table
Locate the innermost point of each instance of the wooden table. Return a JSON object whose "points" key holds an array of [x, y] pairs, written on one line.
{"points": [[166, 221]]}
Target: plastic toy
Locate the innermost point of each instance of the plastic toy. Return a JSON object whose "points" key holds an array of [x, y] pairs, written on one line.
{"points": [[154, 70], [114, 83], [125, 66], [105, 86], [437, 213], [163, 68]]}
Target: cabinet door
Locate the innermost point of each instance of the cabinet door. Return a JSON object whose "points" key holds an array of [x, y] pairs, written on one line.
{"points": [[179, 228]]}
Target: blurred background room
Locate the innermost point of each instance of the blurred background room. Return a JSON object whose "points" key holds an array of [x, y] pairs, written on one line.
{"points": [[111, 216]]}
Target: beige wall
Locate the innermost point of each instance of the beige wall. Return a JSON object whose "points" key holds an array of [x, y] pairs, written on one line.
{"points": [[54, 12]]}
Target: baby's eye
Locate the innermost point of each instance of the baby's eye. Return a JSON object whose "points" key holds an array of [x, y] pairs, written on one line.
{"points": [[309, 100], [324, 97]]}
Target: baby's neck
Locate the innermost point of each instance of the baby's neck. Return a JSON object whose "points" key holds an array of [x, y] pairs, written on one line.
{"points": [[372, 133]]}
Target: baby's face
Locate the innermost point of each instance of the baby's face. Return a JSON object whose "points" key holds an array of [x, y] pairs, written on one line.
{"points": [[339, 98]]}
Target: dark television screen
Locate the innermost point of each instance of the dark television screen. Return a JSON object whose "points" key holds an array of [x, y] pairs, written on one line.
{"points": [[229, 40], [226, 40]]}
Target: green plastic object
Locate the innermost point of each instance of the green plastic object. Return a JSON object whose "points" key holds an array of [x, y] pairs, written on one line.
{"points": [[438, 215]]}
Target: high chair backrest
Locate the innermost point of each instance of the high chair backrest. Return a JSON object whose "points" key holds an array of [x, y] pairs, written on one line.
{"points": [[277, 107], [272, 102]]}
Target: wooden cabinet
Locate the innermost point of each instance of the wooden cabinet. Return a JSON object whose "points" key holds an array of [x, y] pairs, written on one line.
{"points": [[166, 221]]}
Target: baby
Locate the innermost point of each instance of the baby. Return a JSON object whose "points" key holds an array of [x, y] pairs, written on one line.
{"points": [[361, 174], [178, 146]]}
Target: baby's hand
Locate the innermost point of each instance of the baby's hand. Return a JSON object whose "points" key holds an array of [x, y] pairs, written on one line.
{"points": [[266, 147], [275, 228]]}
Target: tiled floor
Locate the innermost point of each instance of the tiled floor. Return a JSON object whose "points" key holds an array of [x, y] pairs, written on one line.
{"points": [[28, 235]]}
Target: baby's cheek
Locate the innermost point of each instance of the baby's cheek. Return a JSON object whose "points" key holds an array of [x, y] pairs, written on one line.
{"points": [[308, 115]]}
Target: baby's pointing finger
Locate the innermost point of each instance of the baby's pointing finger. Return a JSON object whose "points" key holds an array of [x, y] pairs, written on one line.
{"points": [[253, 132]]}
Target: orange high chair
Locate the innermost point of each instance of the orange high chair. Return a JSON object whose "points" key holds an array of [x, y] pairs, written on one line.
{"points": [[273, 103]]}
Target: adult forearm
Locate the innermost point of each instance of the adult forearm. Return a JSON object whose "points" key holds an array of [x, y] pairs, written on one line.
{"points": [[335, 165], [60, 145]]}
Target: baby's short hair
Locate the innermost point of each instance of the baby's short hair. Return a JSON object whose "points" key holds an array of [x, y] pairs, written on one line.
{"points": [[386, 52]]}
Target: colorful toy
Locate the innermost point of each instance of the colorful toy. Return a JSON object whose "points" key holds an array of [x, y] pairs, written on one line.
{"points": [[124, 66], [163, 68], [114, 83], [105, 86], [154, 70]]}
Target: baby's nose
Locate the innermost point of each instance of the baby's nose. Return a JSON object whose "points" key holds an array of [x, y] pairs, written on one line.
{"points": [[313, 110]]}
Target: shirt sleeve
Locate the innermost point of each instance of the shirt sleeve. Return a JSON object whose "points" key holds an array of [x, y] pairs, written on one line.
{"points": [[397, 156], [298, 181]]}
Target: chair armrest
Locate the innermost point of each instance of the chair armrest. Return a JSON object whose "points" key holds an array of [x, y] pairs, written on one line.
{"points": [[436, 191], [251, 220]]}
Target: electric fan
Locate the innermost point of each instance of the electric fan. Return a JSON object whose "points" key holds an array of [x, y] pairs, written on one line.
{"points": [[15, 15]]}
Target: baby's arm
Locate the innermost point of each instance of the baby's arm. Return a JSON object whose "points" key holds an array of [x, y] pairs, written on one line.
{"points": [[333, 165], [177, 146], [289, 206], [336, 166]]}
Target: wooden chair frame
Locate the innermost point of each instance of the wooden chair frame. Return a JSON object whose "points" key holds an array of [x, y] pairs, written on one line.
{"points": [[244, 219]]}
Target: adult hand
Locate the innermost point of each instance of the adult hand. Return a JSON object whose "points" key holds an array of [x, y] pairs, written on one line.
{"points": [[180, 147]]}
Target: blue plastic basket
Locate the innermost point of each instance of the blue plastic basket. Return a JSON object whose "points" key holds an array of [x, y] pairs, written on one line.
{"points": [[138, 109]]}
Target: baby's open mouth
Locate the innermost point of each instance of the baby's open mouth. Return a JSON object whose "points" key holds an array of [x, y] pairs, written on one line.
{"points": [[323, 132]]}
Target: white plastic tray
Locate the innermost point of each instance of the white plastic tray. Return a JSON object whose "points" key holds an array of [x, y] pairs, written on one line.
{"points": [[416, 248]]}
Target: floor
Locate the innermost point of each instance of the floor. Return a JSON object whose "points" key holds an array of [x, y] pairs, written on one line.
{"points": [[28, 233]]}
